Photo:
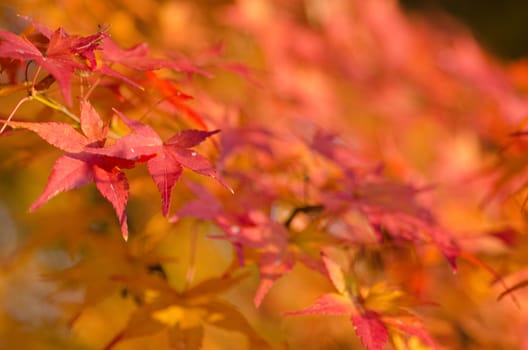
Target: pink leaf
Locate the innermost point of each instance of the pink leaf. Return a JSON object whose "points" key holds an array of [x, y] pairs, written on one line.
{"points": [[189, 138], [114, 74], [371, 330], [144, 142], [113, 186], [39, 26], [14, 46], [272, 267], [206, 206], [60, 135], [67, 174], [138, 58], [327, 304], [263, 288], [335, 272], [164, 162], [91, 124], [61, 57], [143, 134], [165, 171]]}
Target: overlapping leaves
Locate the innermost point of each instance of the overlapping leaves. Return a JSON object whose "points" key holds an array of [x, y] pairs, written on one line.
{"points": [[88, 160], [338, 204]]}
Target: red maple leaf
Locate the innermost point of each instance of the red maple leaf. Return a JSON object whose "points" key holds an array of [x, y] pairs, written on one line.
{"points": [[275, 252], [165, 160], [63, 53], [391, 208], [206, 206], [371, 327], [368, 325], [326, 304], [411, 326], [371, 330], [176, 98], [78, 167], [138, 58]]}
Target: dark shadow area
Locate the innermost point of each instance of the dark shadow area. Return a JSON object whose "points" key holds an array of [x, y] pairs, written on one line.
{"points": [[500, 26]]}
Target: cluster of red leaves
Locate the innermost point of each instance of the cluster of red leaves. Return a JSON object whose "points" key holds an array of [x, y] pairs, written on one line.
{"points": [[298, 193], [87, 159]]}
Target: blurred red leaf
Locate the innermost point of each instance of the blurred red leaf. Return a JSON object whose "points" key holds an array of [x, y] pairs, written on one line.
{"points": [[326, 304], [371, 330]]}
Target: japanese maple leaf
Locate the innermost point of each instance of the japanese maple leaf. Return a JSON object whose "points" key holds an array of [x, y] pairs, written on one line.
{"points": [[61, 58], [138, 58], [235, 138], [166, 159], [371, 330], [392, 208], [77, 167], [273, 247], [206, 206], [368, 325], [371, 327], [269, 240], [176, 98]]}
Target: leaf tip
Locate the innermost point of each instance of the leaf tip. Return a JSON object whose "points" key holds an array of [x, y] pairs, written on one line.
{"points": [[34, 206]]}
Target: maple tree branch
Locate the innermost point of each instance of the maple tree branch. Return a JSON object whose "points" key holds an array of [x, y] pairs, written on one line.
{"points": [[92, 88], [55, 105], [27, 98], [157, 270], [33, 83], [303, 209]]}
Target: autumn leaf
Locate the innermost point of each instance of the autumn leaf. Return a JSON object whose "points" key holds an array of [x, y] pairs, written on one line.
{"points": [[77, 167], [272, 266], [367, 312], [335, 273], [326, 304], [138, 58], [63, 55], [184, 314], [331, 163], [413, 327], [166, 160], [392, 209], [175, 98], [206, 206], [371, 330]]}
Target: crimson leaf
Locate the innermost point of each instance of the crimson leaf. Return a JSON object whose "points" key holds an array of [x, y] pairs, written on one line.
{"points": [[165, 159], [61, 57], [79, 167], [371, 330]]}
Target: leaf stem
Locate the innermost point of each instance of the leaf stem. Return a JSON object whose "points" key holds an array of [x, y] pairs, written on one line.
{"points": [[27, 98], [91, 88], [33, 83], [55, 105], [307, 209]]}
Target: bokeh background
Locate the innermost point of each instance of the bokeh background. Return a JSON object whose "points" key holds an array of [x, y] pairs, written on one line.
{"points": [[428, 91]]}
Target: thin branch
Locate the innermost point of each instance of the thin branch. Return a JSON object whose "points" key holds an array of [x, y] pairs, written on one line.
{"points": [[27, 98], [303, 209]]}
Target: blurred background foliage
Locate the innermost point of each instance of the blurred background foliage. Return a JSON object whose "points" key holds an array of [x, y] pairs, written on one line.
{"points": [[426, 149]]}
